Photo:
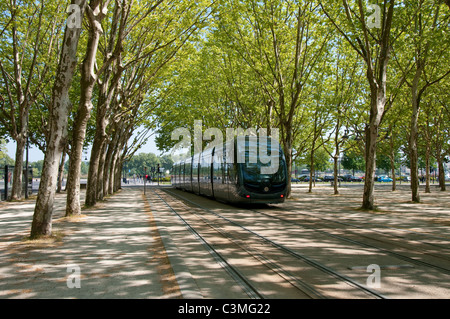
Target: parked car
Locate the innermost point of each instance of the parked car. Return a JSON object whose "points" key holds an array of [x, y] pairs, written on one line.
{"points": [[314, 178], [329, 178], [406, 179], [351, 178], [296, 180], [384, 178]]}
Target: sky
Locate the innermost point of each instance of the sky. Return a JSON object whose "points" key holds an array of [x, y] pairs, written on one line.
{"points": [[36, 155]]}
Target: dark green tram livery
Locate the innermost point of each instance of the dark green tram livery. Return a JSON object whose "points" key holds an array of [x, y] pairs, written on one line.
{"points": [[210, 174]]}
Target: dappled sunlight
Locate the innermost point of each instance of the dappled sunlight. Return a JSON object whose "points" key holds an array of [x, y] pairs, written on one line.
{"points": [[118, 249], [333, 231], [112, 245]]}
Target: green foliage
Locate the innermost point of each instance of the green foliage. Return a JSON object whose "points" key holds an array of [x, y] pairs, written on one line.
{"points": [[351, 160], [249, 64], [148, 161], [31, 33], [84, 168], [4, 157], [321, 160], [37, 168]]}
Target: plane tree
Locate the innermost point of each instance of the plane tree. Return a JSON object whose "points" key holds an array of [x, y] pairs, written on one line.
{"points": [[29, 37], [373, 37], [282, 43], [424, 46], [58, 120]]}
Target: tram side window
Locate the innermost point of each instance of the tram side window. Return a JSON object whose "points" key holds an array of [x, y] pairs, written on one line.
{"points": [[209, 168], [175, 173], [218, 172], [204, 169], [232, 172], [217, 168], [195, 171], [188, 169], [182, 172]]}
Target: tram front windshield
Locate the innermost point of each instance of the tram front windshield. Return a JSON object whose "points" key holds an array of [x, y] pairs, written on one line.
{"points": [[253, 172]]}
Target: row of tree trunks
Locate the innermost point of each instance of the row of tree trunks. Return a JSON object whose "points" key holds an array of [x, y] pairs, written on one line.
{"points": [[110, 150], [58, 122], [89, 76], [107, 88]]}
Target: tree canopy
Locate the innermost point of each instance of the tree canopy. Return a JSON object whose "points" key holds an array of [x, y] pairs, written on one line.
{"points": [[367, 80]]}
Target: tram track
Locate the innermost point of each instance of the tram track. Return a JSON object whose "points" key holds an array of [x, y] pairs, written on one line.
{"points": [[238, 277], [270, 263], [360, 243], [349, 232], [301, 286], [305, 259], [343, 221], [367, 245]]}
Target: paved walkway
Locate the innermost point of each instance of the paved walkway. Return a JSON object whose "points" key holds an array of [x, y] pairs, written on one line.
{"points": [[112, 251]]}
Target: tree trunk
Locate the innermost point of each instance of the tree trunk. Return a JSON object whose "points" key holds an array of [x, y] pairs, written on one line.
{"points": [[88, 80], [288, 157], [95, 180], [337, 152], [414, 162], [95, 189], [394, 178], [112, 176], [427, 170], [91, 189], [115, 149], [16, 192], [73, 206], [378, 101], [61, 171], [441, 173], [415, 99], [107, 87], [311, 169], [58, 119], [118, 171], [369, 180], [336, 176], [114, 184], [107, 172], [101, 167]]}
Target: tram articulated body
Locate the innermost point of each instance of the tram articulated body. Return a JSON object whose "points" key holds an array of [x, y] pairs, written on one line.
{"points": [[239, 176]]}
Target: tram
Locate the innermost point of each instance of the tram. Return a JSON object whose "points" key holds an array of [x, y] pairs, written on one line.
{"points": [[237, 176]]}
